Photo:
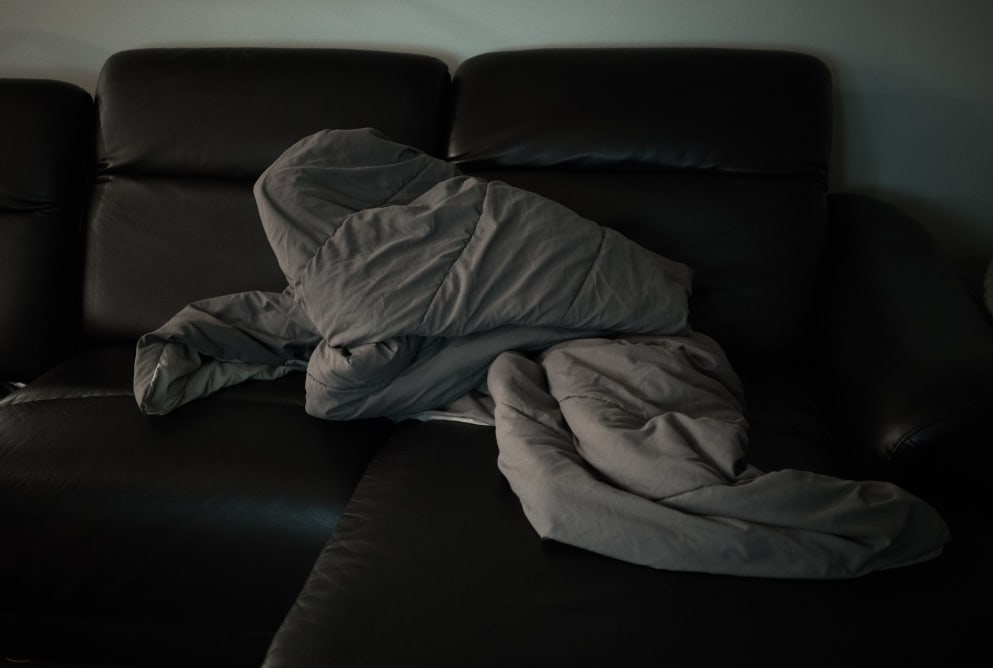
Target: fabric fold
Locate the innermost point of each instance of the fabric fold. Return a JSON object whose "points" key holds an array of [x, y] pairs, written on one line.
{"points": [[401, 265], [592, 470], [412, 287]]}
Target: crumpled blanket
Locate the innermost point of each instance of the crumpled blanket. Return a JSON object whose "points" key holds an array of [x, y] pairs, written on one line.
{"points": [[636, 448], [405, 280], [415, 291]]}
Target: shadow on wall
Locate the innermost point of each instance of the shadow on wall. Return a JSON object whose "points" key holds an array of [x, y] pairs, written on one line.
{"points": [[923, 149], [896, 137], [44, 55]]}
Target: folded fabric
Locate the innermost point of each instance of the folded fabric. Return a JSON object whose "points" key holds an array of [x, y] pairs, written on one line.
{"points": [[406, 279], [408, 283], [635, 448]]}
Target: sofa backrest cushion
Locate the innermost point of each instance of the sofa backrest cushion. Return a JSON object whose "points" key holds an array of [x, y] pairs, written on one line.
{"points": [[46, 156], [717, 158], [182, 136]]}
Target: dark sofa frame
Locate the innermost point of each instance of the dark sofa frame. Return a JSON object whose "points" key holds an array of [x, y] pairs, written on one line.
{"points": [[128, 539]]}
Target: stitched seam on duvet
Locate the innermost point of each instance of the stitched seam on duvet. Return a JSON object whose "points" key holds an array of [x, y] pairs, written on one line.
{"points": [[403, 188], [608, 402], [359, 388], [387, 202], [672, 497], [444, 279], [661, 499], [602, 400], [523, 413], [589, 270]]}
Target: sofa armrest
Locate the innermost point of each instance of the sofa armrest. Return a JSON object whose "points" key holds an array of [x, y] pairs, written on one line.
{"points": [[46, 135], [908, 355]]}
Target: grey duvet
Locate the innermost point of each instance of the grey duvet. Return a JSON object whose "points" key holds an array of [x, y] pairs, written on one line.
{"points": [[416, 292]]}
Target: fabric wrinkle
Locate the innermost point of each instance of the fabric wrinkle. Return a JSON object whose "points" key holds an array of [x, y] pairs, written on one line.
{"points": [[659, 406]]}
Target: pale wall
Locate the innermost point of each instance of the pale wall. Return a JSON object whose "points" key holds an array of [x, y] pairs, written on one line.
{"points": [[915, 90]]}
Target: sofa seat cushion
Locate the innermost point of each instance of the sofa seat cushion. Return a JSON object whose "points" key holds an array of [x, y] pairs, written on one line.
{"points": [[210, 516], [434, 564]]}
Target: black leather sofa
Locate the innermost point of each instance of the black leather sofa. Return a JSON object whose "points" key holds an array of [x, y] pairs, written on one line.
{"points": [[196, 538]]}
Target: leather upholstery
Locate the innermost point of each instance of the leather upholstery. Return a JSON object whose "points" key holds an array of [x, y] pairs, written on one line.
{"points": [[753, 265], [173, 111], [184, 133], [47, 146], [121, 531], [687, 110], [236, 492], [433, 564], [716, 158], [187, 537], [928, 388]]}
